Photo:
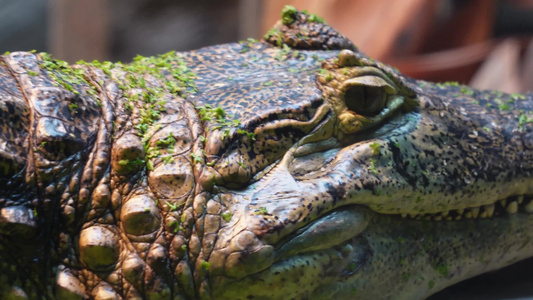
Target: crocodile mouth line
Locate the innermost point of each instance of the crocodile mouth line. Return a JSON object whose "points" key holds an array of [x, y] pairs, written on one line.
{"points": [[508, 206]]}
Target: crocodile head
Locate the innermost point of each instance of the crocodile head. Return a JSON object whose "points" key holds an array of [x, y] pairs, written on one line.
{"points": [[295, 168], [359, 181]]}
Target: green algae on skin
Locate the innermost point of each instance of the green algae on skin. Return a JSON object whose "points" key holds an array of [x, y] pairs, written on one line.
{"points": [[174, 226], [288, 14], [205, 265], [172, 207], [372, 166], [149, 101], [221, 121], [275, 33], [227, 216], [375, 148], [196, 158], [523, 120], [261, 211]]}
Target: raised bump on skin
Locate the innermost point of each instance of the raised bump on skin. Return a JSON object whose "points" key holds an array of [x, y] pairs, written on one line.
{"points": [[99, 249], [126, 150], [133, 269], [181, 134], [173, 180], [104, 291], [14, 293], [347, 58], [69, 286], [17, 220], [140, 216]]}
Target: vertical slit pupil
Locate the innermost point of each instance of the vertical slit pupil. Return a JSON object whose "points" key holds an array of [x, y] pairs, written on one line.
{"points": [[365, 100]]}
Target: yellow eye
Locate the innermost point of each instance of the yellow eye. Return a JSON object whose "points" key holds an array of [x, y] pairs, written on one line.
{"points": [[367, 95]]}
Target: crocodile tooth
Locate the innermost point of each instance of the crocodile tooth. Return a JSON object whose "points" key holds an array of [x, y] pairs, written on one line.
{"points": [[448, 218], [427, 218], [520, 199], [445, 214], [438, 218], [458, 218], [512, 208], [404, 215], [460, 211], [503, 202], [483, 215], [475, 212], [412, 216], [529, 207], [489, 209], [468, 215]]}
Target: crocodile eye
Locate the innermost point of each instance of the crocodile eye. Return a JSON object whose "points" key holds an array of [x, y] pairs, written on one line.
{"points": [[367, 95], [365, 100]]}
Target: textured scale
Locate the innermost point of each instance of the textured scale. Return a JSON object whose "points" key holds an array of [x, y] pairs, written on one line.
{"points": [[282, 172]]}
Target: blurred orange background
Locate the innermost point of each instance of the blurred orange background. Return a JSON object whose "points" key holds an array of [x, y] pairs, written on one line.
{"points": [[485, 43]]}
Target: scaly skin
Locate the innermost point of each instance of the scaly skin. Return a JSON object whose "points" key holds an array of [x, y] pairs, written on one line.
{"points": [[341, 179]]}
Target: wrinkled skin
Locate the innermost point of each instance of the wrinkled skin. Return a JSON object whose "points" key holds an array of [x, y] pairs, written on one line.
{"points": [[348, 182]]}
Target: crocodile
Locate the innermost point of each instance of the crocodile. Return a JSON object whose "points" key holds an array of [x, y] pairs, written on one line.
{"points": [[290, 168]]}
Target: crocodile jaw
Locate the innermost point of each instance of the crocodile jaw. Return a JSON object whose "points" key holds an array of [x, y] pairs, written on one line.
{"points": [[391, 258], [416, 257]]}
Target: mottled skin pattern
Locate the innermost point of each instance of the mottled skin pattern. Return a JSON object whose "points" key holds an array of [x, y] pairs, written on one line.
{"points": [[357, 182]]}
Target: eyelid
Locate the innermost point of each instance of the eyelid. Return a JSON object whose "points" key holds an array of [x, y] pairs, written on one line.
{"points": [[369, 80]]}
